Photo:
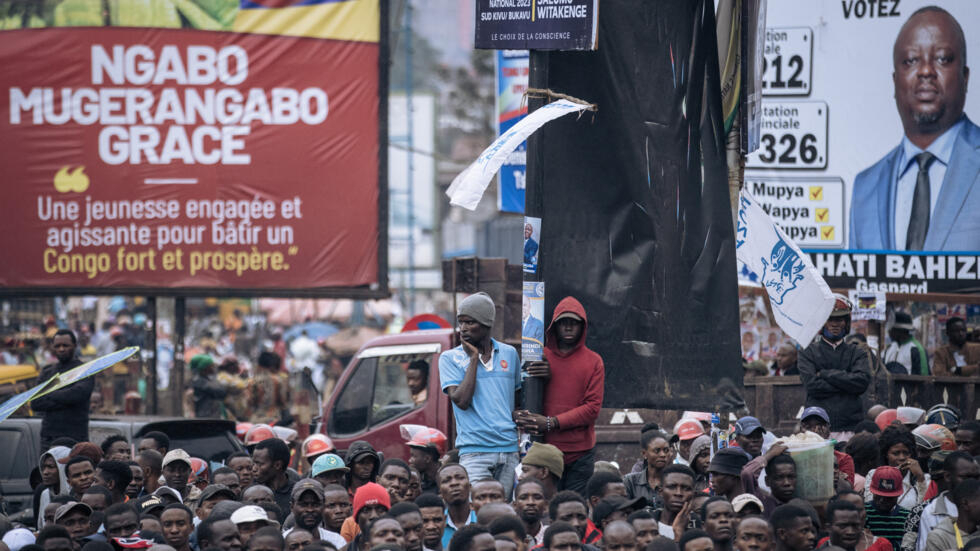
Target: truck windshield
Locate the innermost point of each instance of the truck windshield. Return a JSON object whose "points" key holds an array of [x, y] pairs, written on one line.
{"points": [[380, 388]]}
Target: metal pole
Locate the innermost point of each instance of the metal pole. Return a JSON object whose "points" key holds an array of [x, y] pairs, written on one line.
{"points": [[177, 379], [409, 12], [151, 364]]}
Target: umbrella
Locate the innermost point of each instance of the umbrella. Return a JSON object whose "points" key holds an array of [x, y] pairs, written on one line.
{"points": [[314, 329]]}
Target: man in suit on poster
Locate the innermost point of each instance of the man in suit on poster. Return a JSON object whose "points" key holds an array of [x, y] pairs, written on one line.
{"points": [[530, 248], [923, 195], [531, 327]]}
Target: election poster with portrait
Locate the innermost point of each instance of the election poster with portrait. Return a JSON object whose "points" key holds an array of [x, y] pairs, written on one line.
{"points": [[870, 156], [188, 146], [513, 68], [532, 321]]}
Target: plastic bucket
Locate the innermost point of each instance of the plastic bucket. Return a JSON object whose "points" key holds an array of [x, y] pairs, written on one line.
{"points": [[814, 471]]}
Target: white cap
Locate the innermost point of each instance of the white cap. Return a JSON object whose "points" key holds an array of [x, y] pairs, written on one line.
{"points": [[176, 455], [249, 513], [17, 538], [742, 500]]}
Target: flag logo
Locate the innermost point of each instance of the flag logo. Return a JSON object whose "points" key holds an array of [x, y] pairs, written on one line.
{"points": [[782, 271]]}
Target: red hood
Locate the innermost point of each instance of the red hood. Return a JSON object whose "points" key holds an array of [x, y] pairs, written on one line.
{"points": [[567, 304]]}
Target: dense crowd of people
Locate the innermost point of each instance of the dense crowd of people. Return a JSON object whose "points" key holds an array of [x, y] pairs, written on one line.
{"points": [[901, 478], [907, 480]]}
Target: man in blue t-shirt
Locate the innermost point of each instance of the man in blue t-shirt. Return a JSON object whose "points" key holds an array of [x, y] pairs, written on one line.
{"points": [[481, 377]]}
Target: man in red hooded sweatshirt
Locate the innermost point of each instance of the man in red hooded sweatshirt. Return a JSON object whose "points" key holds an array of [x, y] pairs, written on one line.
{"points": [[573, 396]]}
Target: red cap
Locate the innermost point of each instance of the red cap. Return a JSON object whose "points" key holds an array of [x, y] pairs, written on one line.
{"points": [[370, 494], [887, 482]]}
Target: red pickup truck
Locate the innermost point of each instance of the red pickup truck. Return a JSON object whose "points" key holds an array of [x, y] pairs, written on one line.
{"points": [[372, 398]]}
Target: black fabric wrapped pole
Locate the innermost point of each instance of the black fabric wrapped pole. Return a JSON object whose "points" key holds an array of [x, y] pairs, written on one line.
{"points": [[635, 208]]}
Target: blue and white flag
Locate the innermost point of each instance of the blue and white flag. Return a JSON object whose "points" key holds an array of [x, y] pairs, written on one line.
{"points": [[13, 404], [468, 187], [801, 300], [88, 369]]}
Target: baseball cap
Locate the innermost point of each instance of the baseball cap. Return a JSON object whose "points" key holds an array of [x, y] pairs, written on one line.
{"points": [[887, 482], [742, 500], [545, 455], [63, 511], [168, 491], [215, 490], [17, 538], [307, 485], [747, 425], [86, 449], [567, 314], [150, 503], [177, 455], [250, 513], [815, 411], [728, 461], [328, 462]]}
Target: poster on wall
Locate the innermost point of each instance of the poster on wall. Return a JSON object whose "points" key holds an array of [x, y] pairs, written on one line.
{"points": [[512, 75], [196, 146], [871, 162]]}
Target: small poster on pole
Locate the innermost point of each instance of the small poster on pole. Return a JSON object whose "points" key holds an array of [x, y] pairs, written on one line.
{"points": [[532, 244], [532, 322]]}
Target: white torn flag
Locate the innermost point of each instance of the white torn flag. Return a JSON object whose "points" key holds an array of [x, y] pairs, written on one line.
{"points": [[801, 300], [468, 187]]}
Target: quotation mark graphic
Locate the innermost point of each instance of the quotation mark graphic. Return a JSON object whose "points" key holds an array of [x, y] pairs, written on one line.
{"points": [[75, 180]]}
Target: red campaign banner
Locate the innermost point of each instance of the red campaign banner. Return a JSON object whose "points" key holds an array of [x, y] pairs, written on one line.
{"points": [[164, 159]]}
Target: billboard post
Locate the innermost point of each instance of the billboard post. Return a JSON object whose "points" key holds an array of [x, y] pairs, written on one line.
{"points": [[234, 153], [836, 167]]}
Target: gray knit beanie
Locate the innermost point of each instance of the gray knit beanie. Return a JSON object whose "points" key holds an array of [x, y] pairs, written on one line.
{"points": [[700, 444], [478, 306]]}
